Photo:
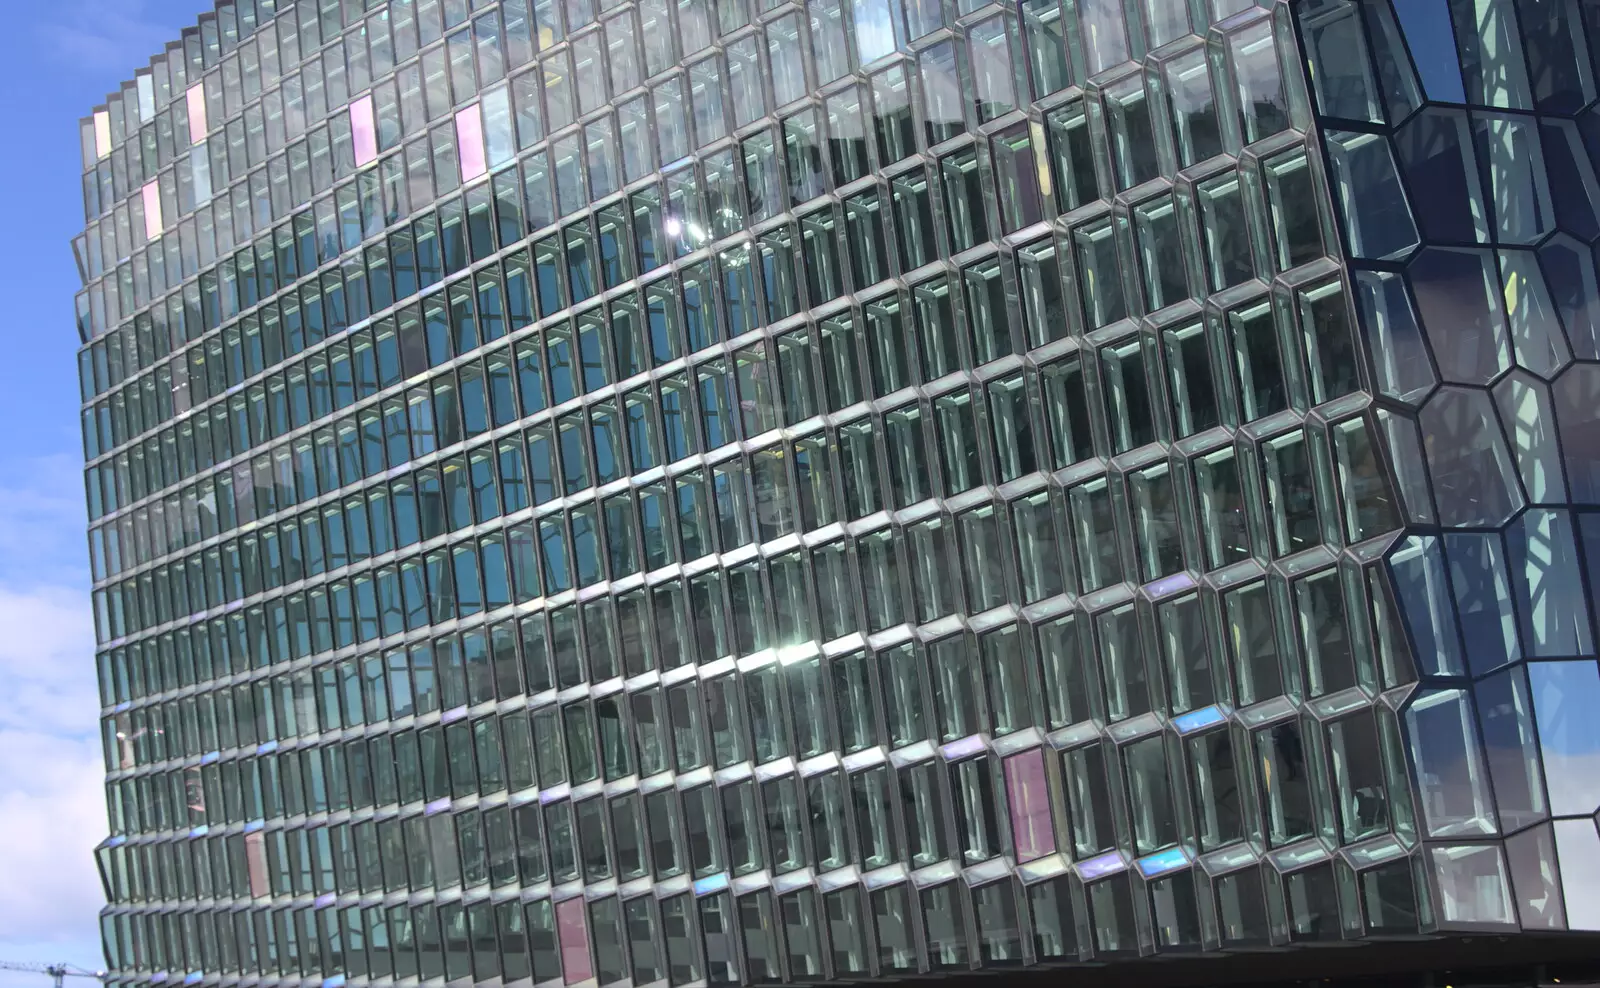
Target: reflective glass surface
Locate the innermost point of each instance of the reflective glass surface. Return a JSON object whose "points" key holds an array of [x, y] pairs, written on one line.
{"points": [[747, 491]]}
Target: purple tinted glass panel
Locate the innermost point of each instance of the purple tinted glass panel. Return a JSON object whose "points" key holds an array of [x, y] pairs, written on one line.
{"points": [[1029, 796], [1105, 864]]}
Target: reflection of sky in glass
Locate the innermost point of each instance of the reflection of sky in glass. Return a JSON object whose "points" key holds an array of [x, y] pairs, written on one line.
{"points": [[200, 175], [1532, 856], [1514, 585], [255, 849], [1578, 847], [1255, 66], [1194, 720], [1566, 697], [1162, 862], [1426, 24], [1105, 38], [874, 29], [1473, 887], [1505, 709]]}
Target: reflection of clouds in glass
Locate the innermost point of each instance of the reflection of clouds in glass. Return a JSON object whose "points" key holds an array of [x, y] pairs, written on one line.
{"points": [[1532, 856], [874, 29], [941, 85], [102, 133], [1565, 698], [1578, 847], [108, 35], [1105, 38]]}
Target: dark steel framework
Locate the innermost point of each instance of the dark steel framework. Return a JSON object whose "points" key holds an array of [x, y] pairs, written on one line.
{"points": [[735, 491]]}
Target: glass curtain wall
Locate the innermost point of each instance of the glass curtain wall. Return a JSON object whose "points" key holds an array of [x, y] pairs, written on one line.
{"points": [[742, 491]]}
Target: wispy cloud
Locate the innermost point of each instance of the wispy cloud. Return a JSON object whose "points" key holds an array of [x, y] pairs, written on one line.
{"points": [[42, 523], [109, 36]]}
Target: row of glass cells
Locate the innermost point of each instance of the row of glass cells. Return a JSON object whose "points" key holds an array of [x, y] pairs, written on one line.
{"points": [[866, 820], [459, 760], [767, 936], [706, 831], [422, 91]]}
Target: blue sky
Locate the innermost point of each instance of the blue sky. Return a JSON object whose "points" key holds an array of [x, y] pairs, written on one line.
{"points": [[60, 59]]}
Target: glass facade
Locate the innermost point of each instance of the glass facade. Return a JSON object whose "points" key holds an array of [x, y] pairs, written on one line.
{"points": [[749, 491]]}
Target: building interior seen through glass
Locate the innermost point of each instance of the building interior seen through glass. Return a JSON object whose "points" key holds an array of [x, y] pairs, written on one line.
{"points": [[750, 491]]}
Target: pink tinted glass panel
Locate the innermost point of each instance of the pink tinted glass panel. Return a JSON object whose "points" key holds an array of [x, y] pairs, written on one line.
{"points": [[573, 930], [256, 852], [197, 113], [1029, 796], [152, 210], [469, 138], [363, 133]]}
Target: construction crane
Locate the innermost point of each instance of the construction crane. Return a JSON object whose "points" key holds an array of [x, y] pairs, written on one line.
{"points": [[59, 972]]}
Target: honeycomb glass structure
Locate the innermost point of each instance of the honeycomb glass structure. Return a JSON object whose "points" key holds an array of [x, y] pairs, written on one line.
{"points": [[749, 491]]}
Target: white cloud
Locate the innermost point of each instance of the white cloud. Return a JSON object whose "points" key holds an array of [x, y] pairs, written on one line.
{"points": [[52, 805], [47, 662], [52, 813]]}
